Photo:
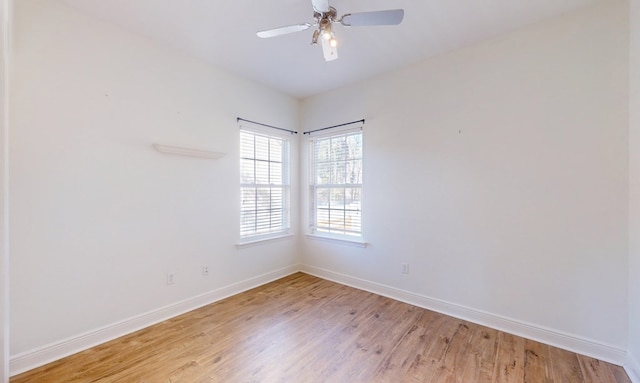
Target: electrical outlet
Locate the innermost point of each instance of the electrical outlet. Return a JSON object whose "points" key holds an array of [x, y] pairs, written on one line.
{"points": [[170, 278], [205, 271], [405, 268]]}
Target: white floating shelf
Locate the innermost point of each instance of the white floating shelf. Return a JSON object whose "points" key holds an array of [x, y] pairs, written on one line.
{"points": [[189, 152]]}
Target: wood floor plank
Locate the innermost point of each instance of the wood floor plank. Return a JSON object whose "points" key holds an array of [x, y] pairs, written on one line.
{"points": [[386, 328], [509, 365], [407, 362], [306, 329], [566, 367], [595, 370], [452, 360], [619, 373], [537, 363], [483, 352]]}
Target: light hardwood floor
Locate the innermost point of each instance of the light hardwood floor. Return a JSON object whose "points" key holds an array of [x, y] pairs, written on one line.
{"points": [[305, 329]]}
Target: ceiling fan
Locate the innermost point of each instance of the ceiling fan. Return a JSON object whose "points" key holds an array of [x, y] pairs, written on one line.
{"points": [[324, 18]]}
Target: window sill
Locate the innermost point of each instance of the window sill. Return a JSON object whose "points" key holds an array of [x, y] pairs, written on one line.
{"points": [[342, 241], [258, 241]]}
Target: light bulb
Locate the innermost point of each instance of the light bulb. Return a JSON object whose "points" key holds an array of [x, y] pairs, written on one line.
{"points": [[333, 43], [326, 30]]}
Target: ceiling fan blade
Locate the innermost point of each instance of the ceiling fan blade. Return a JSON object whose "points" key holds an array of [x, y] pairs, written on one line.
{"points": [[320, 6], [283, 30], [360, 19], [330, 53]]}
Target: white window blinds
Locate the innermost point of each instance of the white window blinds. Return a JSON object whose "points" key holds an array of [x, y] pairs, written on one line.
{"points": [[336, 184], [264, 184]]}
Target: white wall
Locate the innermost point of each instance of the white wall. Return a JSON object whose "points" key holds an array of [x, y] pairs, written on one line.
{"points": [[5, 6], [99, 217], [500, 173], [634, 197]]}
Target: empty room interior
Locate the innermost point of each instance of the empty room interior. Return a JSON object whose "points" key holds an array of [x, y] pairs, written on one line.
{"points": [[313, 191]]}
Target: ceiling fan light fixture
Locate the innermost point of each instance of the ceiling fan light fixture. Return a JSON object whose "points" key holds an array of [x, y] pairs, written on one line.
{"points": [[325, 15]]}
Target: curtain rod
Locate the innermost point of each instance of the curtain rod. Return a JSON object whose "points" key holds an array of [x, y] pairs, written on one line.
{"points": [[335, 126], [268, 126]]}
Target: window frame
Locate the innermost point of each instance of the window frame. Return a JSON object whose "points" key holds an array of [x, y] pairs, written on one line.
{"points": [[314, 230], [284, 212]]}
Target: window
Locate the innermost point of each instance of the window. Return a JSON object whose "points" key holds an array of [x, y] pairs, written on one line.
{"points": [[336, 184], [264, 185]]}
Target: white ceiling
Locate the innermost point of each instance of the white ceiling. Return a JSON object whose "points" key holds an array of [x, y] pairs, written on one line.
{"points": [[223, 33]]}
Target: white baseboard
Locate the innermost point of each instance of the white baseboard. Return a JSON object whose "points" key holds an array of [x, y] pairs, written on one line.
{"points": [[551, 337], [632, 367], [49, 353]]}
